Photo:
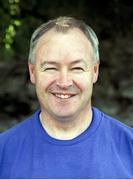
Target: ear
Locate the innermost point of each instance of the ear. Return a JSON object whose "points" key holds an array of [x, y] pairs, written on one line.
{"points": [[95, 72], [32, 72]]}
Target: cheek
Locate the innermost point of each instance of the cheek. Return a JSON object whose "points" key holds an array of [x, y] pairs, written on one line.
{"points": [[84, 82], [44, 82]]}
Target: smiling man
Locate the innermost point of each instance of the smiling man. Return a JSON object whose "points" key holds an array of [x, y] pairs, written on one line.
{"points": [[64, 73], [67, 137]]}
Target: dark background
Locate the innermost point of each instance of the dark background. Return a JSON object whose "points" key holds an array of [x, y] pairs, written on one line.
{"points": [[112, 22]]}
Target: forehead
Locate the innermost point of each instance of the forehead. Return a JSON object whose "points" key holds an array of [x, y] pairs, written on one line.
{"points": [[74, 34], [73, 42]]}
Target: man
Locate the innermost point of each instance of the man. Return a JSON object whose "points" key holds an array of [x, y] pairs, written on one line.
{"points": [[67, 137]]}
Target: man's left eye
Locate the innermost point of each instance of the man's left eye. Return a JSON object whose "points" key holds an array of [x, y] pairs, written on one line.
{"points": [[77, 69]]}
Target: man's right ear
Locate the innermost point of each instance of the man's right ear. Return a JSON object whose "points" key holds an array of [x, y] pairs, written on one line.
{"points": [[32, 72]]}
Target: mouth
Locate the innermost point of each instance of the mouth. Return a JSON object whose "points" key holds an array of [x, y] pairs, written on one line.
{"points": [[63, 96]]}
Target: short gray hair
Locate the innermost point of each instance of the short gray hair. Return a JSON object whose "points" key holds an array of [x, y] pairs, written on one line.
{"points": [[63, 24]]}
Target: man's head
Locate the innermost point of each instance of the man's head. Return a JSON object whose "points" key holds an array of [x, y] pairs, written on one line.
{"points": [[63, 25], [63, 65]]}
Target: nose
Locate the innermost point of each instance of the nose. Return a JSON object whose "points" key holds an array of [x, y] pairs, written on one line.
{"points": [[64, 79]]}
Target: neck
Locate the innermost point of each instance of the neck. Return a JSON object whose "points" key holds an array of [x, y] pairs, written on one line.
{"points": [[66, 130]]}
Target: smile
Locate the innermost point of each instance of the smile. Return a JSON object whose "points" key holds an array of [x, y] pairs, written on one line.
{"points": [[63, 96]]}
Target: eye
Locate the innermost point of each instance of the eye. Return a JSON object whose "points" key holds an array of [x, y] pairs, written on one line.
{"points": [[50, 69], [77, 69]]}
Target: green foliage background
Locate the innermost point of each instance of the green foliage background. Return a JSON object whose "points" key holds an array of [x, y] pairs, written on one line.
{"points": [[111, 20]]}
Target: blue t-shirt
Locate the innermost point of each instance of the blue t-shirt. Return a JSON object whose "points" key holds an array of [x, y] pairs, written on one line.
{"points": [[104, 150]]}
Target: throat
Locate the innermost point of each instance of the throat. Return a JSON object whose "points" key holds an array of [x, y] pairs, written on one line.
{"points": [[65, 131]]}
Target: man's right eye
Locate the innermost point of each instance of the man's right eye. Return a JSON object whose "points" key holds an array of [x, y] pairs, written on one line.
{"points": [[50, 69]]}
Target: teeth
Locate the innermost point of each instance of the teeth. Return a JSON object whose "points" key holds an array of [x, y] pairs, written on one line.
{"points": [[63, 96]]}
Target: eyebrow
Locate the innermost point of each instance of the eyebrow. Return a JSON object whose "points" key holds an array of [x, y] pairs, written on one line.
{"points": [[79, 61], [48, 63], [56, 63]]}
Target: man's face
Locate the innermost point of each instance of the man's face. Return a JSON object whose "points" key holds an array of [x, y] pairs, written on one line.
{"points": [[64, 74]]}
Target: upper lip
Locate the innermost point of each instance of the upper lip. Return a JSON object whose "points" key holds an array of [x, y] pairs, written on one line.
{"points": [[62, 93]]}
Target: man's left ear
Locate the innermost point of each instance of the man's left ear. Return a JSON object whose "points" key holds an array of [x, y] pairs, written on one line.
{"points": [[96, 72]]}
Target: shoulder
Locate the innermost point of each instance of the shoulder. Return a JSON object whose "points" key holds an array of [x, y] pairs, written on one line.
{"points": [[114, 126], [17, 139], [17, 132], [117, 124]]}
